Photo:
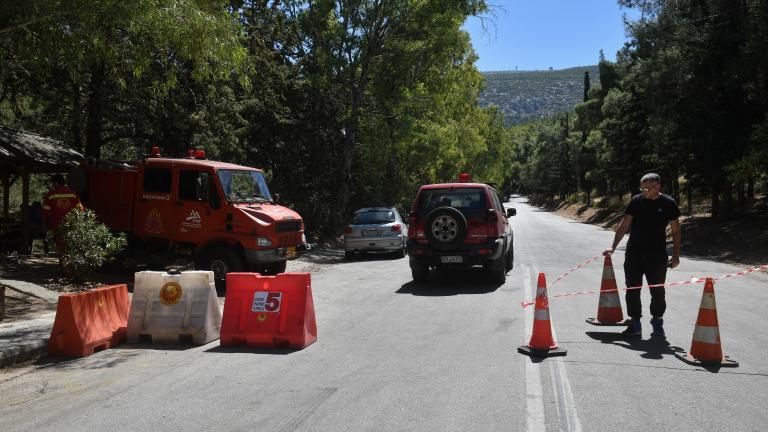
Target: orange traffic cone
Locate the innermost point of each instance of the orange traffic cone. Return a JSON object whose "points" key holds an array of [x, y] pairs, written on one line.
{"points": [[542, 344], [705, 347], [609, 306]]}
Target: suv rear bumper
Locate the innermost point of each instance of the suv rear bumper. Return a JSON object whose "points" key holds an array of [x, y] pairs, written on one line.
{"points": [[471, 254]]}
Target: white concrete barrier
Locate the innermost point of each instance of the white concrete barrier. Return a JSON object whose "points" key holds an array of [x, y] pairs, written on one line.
{"points": [[174, 308]]}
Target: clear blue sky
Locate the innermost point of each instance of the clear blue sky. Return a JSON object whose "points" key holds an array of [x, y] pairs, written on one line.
{"points": [[539, 34]]}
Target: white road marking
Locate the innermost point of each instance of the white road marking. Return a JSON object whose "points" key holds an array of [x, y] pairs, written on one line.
{"points": [[534, 403], [565, 405]]}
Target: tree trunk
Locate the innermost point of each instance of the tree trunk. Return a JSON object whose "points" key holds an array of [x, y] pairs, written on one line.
{"points": [[715, 201], [751, 188], [727, 209], [77, 138], [689, 197], [675, 192], [345, 179], [93, 127], [741, 197]]}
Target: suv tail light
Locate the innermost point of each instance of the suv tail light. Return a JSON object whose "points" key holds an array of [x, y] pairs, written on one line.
{"points": [[348, 230], [493, 223], [493, 216], [412, 226], [396, 227]]}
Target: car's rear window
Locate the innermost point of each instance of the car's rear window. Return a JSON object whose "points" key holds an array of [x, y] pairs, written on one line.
{"points": [[460, 198], [373, 217]]}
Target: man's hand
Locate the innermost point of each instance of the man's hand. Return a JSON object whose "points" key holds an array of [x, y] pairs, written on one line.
{"points": [[673, 262], [608, 252]]}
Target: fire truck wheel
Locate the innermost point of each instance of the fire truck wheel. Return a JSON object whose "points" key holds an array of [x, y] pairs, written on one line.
{"points": [[221, 261]]}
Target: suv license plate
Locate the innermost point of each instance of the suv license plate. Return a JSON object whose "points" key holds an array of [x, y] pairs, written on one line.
{"points": [[451, 259]]}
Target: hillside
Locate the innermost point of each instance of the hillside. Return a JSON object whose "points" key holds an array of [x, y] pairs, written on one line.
{"points": [[526, 95]]}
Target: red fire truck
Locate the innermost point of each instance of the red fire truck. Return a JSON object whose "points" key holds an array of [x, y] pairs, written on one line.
{"points": [[219, 215]]}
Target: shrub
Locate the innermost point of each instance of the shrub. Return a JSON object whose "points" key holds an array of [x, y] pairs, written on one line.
{"points": [[88, 244]]}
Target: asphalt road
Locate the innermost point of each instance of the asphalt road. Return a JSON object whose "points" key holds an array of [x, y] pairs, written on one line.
{"points": [[393, 355]]}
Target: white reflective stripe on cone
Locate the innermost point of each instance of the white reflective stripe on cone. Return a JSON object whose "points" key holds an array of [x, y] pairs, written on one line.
{"points": [[707, 301], [541, 314], [707, 334], [610, 300]]}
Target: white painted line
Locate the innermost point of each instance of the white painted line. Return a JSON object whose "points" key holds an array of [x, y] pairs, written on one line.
{"points": [[565, 399], [534, 403], [564, 395]]}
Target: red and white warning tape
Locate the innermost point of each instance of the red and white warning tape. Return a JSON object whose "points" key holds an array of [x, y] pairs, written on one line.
{"points": [[693, 280], [575, 268]]}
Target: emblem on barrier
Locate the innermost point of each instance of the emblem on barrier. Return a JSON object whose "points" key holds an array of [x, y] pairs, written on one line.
{"points": [[170, 293]]}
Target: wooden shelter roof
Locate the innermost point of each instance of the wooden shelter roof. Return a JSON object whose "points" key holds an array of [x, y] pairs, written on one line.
{"points": [[39, 153]]}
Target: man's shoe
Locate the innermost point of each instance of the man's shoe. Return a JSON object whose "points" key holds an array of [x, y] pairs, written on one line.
{"points": [[658, 327], [634, 329]]}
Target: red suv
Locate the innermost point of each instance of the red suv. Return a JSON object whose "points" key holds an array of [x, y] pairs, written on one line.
{"points": [[460, 224]]}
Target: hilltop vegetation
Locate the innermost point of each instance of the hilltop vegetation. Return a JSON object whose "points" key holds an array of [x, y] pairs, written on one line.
{"points": [[686, 98], [523, 96]]}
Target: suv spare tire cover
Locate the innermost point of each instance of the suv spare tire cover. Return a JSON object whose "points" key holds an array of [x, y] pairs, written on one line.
{"points": [[445, 228]]}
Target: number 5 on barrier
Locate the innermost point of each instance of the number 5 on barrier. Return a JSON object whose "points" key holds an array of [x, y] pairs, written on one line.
{"points": [[266, 301]]}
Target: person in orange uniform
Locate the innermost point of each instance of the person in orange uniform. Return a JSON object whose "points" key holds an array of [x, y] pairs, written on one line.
{"points": [[56, 204]]}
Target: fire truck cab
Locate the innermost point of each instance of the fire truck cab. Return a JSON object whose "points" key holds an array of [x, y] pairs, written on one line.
{"points": [[220, 215]]}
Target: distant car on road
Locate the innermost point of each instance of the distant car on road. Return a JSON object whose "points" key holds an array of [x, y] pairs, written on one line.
{"points": [[375, 229]]}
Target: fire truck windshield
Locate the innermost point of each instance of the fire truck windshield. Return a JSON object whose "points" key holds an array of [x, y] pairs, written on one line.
{"points": [[244, 186]]}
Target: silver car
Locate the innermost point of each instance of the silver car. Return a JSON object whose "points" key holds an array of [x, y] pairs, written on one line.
{"points": [[375, 229]]}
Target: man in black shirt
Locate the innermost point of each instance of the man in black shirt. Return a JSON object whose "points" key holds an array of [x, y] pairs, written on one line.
{"points": [[646, 218]]}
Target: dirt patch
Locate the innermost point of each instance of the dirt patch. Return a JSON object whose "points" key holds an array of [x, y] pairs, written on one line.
{"points": [[741, 241], [19, 306], [44, 270]]}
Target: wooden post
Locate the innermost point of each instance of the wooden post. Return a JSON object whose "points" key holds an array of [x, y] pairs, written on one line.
{"points": [[6, 193], [24, 212], [2, 302]]}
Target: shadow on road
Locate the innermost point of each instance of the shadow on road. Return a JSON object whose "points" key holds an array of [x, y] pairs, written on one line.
{"points": [[653, 348], [252, 350], [99, 360], [328, 255], [451, 282]]}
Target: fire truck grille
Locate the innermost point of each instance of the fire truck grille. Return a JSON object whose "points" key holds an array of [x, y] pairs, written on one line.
{"points": [[289, 239], [288, 226]]}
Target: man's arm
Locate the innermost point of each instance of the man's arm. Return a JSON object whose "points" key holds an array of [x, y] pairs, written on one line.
{"points": [[674, 225], [623, 228]]}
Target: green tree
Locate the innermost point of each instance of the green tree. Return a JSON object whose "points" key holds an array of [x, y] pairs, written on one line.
{"points": [[88, 244], [91, 52]]}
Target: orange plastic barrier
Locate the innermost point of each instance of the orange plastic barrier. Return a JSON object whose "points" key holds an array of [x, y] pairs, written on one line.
{"points": [[542, 344], [90, 321], [269, 311], [705, 346], [609, 306]]}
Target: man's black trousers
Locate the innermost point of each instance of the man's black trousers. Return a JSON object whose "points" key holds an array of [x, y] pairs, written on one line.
{"points": [[654, 267]]}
